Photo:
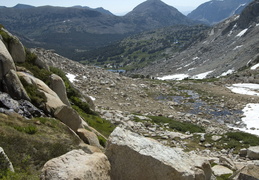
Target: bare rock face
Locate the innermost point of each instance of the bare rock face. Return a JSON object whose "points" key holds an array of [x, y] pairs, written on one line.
{"points": [[135, 157], [253, 153], [77, 165], [70, 117], [9, 80], [58, 86], [17, 50]]}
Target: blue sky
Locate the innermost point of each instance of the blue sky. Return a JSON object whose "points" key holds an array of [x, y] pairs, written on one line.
{"points": [[115, 6]]}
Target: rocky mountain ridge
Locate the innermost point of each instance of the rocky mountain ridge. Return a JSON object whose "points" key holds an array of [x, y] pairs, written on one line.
{"points": [[213, 12], [48, 27], [226, 47]]}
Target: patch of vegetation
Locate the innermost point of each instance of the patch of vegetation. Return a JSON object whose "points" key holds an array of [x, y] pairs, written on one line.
{"points": [[5, 35], [101, 125], [30, 129], [177, 125], [142, 49], [224, 177], [37, 97], [29, 151]]}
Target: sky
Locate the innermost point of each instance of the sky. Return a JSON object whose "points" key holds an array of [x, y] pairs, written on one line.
{"points": [[118, 7]]}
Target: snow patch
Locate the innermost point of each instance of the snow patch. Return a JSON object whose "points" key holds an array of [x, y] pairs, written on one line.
{"points": [[251, 119], [174, 77], [242, 33], [251, 116], [71, 77], [230, 71], [188, 64], [245, 88], [237, 47], [195, 58], [257, 25], [93, 98], [255, 67], [191, 69], [202, 75]]}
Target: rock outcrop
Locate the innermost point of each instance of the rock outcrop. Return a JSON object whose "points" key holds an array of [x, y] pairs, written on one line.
{"points": [[77, 165], [17, 50], [58, 86], [9, 81], [53, 102], [135, 157]]}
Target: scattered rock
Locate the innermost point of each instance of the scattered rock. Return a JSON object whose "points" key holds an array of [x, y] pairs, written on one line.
{"points": [[250, 172], [77, 164], [135, 157], [225, 161], [253, 152], [219, 170], [243, 152]]}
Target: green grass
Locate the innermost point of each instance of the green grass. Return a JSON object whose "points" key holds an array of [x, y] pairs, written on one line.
{"points": [[101, 125], [29, 150], [177, 125]]}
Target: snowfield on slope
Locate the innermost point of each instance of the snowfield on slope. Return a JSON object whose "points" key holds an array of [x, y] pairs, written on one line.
{"points": [[251, 110]]}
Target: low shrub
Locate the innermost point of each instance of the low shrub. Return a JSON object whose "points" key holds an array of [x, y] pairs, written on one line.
{"points": [[177, 125]]}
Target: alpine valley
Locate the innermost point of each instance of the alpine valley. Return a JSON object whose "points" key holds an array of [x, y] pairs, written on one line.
{"points": [[152, 95]]}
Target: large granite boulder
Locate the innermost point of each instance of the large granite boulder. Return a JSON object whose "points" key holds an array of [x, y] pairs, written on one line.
{"points": [[69, 117], [53, 101], [135, 157], [9, 81], [6, 61], [250, 172], [77, 165], [17, 50], [58, 86]]}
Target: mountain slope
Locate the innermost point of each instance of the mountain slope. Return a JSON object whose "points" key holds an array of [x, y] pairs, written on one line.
{"points": [[156, 13], [215, 11], [227, 47], [77, 29]]}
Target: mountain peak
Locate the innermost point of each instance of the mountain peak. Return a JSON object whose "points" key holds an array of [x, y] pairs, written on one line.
{"points": [[158, 13]]}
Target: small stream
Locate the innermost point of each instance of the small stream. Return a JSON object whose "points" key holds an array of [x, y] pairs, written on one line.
{"points": [[197, 106]]}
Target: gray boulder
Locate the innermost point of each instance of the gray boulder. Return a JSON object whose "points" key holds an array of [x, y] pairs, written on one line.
{"points": [[6, 61], [89, 137], [135, 157], [13, 86], [253, 152], [17, 50], [5, 163], [58, 86], [69, 117], [250, 172], [77, 165]]}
